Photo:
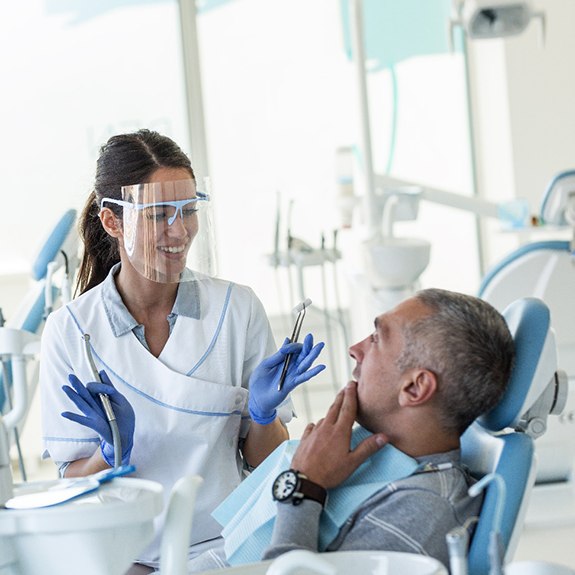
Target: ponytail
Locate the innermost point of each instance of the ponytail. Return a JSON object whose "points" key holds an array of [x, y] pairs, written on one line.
{"points": [[100, 249]]}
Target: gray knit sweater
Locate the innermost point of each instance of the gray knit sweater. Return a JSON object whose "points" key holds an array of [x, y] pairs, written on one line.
{"points": [[412, 515]]}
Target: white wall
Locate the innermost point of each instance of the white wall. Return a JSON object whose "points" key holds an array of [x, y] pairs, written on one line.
{"points": [[279, 100], [72, 75], [523, 94]]}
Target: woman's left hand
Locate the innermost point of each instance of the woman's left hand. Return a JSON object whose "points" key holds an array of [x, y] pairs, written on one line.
{"points": [[264, 393]]}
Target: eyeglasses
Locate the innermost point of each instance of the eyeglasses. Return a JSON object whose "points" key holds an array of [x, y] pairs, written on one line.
{"points": [[159, 212]]}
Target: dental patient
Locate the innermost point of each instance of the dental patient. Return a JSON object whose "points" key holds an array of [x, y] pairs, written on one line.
{"points": [[431, 366]]}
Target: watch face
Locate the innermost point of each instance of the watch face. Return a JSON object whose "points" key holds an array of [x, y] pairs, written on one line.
{"points": [[284, 485]]}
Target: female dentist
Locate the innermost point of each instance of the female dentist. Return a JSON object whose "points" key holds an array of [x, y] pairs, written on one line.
{"points": [[181, 353]]}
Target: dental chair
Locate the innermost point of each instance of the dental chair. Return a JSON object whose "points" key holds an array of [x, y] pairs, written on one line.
{"points": [[52, 270], [502, 441], [546, 270]]}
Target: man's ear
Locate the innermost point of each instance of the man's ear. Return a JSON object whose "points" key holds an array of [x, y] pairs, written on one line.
{"points": [[419, 387], [111, 223]]}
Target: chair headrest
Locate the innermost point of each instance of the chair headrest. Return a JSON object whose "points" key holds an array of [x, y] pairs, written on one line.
{"points": [[535, 362], [53, 244], [554, 204]]}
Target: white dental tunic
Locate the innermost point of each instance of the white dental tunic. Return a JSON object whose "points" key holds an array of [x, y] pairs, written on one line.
{"points": [[190, 402]]}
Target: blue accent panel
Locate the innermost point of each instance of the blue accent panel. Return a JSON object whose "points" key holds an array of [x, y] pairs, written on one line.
{"points": [[395, 30], [80, 12], [35, 317], [529, 321], [559, 176], [217, 333], [109, 371], [53, 245], [558, 245], [206, 5], [513, 466]]}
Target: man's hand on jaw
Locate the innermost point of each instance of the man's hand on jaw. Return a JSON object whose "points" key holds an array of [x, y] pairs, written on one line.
{"points": [[323, 454]]}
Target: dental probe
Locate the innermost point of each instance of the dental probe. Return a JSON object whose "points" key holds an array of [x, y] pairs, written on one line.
{"points": [[110, 415], [300, 311]]}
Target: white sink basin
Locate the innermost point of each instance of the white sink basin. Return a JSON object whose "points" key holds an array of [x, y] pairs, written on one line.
{"points": [[395, 262], [97, 534]]}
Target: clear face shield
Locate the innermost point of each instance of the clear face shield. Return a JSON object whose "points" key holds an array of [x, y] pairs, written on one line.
{"points": [[167, 230]]}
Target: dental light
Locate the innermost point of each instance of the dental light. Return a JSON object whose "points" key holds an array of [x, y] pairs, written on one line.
{"points": [[483, 19]]}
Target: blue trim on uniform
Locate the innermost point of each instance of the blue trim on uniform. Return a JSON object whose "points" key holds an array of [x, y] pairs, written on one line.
{"points": [[149, 397], [558, 245], [217, 333], [75, 439]]}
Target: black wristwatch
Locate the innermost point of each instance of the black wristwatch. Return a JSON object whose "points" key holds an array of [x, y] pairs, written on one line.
{"points": [[291, 486]]}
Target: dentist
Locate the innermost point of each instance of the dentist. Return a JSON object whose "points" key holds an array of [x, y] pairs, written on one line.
{"points": [[181, 353]]}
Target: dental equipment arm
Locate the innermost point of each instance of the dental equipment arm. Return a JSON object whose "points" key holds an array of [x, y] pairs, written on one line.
{"points": [[87, 400], [16, 346], [514, 212], [547, 394], [552, 401], [6, 489], [265, 395]]}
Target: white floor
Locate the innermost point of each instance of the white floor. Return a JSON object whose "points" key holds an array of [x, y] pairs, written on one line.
{"points": [[549, 531]]}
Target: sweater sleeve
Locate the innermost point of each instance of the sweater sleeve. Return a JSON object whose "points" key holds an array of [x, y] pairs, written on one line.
{"points": [[296, 527]]}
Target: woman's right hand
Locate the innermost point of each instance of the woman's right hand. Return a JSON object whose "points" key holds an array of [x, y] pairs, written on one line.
{"points": [[87, 400], [265, 396]]}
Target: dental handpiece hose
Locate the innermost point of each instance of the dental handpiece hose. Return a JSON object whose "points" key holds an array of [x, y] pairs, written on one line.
{"points": [[300, 310], [110, 415]]}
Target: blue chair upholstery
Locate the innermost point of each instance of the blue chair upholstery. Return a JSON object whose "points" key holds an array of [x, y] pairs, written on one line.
{"points": [[493, 445]]}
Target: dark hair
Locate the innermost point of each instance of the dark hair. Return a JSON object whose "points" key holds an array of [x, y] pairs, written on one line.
{"points": [[124, 160], [466, 343]]}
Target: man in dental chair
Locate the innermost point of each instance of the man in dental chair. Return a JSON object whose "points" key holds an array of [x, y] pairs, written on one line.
{"points": [[431, 366]]}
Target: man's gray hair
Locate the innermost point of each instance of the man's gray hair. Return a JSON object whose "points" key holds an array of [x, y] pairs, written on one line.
{"points": [[466, 343]]}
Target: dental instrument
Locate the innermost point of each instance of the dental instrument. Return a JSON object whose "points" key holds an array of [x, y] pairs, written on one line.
{"points": [[48, 494], [110, 415], [457, 545], [300, 311]]}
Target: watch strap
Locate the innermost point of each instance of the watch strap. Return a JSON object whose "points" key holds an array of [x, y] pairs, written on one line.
{"points": [[309, 490]]}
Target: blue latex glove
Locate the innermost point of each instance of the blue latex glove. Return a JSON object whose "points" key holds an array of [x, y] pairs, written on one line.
{"points": [[264, 394], [87, 400]]}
